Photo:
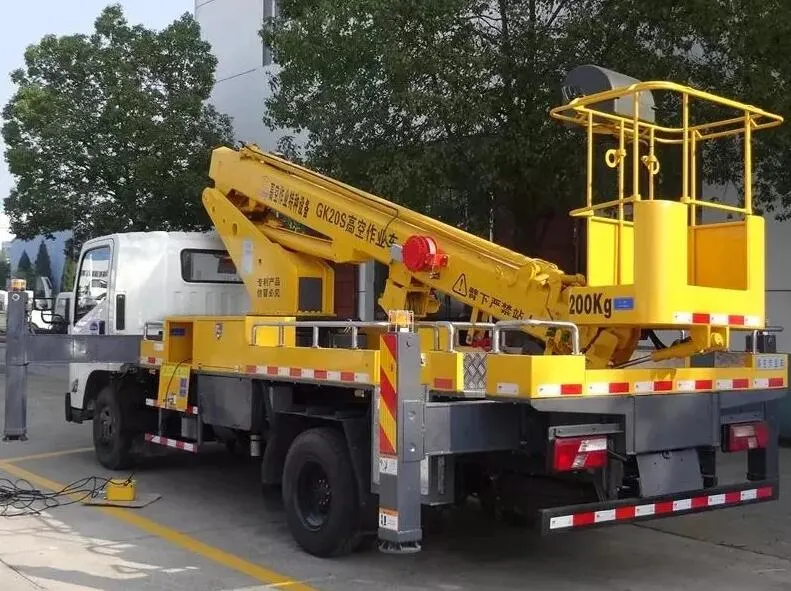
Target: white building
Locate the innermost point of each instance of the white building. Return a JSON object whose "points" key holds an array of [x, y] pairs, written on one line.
{"points": [[778, 278], [232, 27]]}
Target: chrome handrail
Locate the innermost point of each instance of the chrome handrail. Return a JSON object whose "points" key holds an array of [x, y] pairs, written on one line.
{"points": [[451, 327]]}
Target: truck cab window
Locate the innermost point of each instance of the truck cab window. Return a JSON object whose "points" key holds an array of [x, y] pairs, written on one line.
{"points": [[92, 280], [208, 266]]}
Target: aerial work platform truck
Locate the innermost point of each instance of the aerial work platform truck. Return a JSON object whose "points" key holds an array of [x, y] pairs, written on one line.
{"points": [[542, 406]]}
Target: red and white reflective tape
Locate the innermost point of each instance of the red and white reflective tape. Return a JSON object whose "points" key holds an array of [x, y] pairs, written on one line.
{"points": [[716, 319], [694, 385], [768, 383], [734, 384], [191, 410], [629, 512], [600, 388], [174, 443], [301, 373], [560, 389], [150, 361], [654, 386]]}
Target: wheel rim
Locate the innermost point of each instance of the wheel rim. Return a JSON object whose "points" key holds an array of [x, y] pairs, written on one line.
{"points": [[106, 427], [313, 496]]}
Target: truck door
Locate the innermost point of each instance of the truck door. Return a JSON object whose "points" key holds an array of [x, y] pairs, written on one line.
{"points": [[91, 310]]}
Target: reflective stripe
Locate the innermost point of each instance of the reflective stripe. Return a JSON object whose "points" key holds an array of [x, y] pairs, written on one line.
{"points": [[301, 373], [599, 388], [191, 410], [507, 389], [715, 319], [768, 383], [560, 389], [174, 443], [629, 512], [734, 384]]}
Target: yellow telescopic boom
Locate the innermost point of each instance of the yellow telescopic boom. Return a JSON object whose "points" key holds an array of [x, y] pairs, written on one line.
{"points": [[653, 262]]}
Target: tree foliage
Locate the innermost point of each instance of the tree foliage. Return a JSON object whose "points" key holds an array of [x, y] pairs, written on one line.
{"points": [[110, 131], [68, 275], [24, 270], [5, 270], [443, 104]]}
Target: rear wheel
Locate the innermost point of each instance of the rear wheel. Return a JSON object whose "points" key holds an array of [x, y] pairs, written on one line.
{"points": [[320, 494], [112, 435]]}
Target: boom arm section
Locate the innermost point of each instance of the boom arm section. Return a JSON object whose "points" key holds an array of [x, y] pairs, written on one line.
{"points": [[339, 223]]}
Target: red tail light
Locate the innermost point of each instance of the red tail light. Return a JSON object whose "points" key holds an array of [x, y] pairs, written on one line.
{"points": [[579, 453], [744, 436]]}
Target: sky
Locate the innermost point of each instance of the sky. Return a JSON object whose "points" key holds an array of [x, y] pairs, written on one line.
{"points": [[29, 21]]}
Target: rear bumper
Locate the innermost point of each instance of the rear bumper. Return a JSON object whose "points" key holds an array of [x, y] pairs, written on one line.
{"points": [[589, 515]]}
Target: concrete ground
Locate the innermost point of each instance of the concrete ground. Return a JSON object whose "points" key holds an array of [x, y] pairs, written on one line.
{"points": [[211, 531]]}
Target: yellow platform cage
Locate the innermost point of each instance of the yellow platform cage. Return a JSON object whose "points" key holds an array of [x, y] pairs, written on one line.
{"points": [[657, 259]]}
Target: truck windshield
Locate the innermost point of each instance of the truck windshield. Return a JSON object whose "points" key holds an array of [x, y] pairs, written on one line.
{"points": [[208, 266]]}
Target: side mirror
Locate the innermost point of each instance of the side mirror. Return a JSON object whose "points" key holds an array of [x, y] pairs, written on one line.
{"points": [[43, 303]]}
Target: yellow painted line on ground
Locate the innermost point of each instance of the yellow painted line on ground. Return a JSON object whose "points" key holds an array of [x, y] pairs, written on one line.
{"points": [[176, 538], [41, 456]]}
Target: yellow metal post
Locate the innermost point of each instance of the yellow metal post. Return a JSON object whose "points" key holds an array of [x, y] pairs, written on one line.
{"points": [[652, 156], [621, 172], [685, 149], [590, 160], [748, 163], [693, 175], [621, 182], [636, 146]]}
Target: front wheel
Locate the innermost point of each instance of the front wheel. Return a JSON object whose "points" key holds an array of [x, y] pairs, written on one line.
{"points": [[112, 437], [320, 494]]}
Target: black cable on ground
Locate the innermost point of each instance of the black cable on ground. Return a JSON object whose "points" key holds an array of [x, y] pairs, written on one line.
{"points": [[19, 497]]}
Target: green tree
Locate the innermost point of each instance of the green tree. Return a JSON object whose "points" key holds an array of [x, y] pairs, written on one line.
{"points": [[67, 277], [43, 265], [111, 131], [5, 270], [443, 104], [24, 270]]}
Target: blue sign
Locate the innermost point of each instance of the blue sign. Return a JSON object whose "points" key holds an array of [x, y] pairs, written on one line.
{"points": [[623, 303]]}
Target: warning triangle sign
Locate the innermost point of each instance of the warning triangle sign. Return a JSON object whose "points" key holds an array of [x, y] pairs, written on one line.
{"points": [[460, 287]]}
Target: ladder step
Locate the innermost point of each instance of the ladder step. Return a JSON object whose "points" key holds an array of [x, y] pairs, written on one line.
{"points": [[174, 443], [191, 410]]}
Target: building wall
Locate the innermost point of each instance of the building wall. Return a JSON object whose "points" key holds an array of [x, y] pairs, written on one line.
{"points": [[778, 266], [778, 279], [232, 28]]}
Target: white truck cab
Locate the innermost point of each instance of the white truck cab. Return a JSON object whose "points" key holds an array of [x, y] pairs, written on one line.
{"points": [[127, 280]]}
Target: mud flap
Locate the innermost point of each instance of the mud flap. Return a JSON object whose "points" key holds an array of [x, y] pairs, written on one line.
{"points": [[669, 472]]}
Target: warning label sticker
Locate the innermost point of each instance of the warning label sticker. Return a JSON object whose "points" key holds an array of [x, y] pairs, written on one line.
{"points": [[388, 519], [460, 287], [388, 465]]}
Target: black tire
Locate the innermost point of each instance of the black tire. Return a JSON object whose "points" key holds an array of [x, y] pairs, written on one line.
{"points": [[320, 494], [112, 436]]}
